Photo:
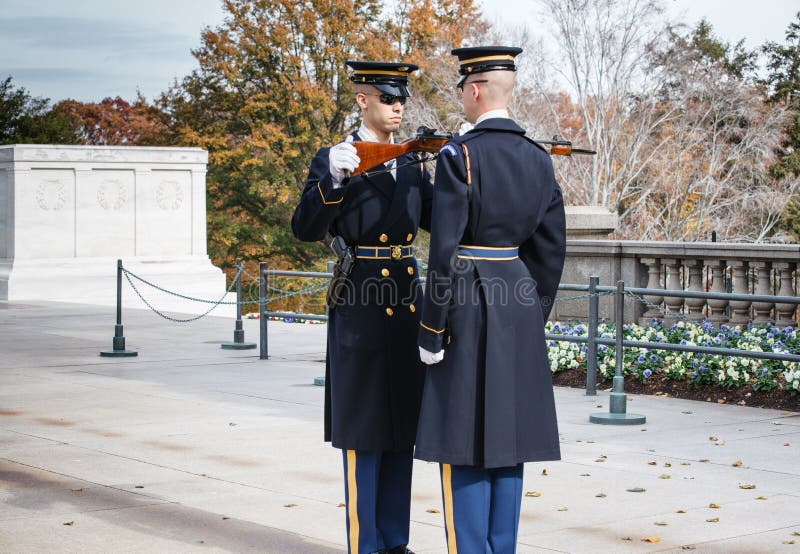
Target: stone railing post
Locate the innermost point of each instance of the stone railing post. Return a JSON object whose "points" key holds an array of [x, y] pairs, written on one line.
{"points": [[653, 282], [762, 311], [716, 308], [694, 306], [740, 309], [673, 282], [785, 313]]}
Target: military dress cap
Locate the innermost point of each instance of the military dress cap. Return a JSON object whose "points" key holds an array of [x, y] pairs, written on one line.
{"points": [[480, 59], [388, 77]]}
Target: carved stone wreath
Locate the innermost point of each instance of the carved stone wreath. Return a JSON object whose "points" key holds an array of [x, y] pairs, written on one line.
{"points": [[112, 200], [51, 194], [169, 195]]}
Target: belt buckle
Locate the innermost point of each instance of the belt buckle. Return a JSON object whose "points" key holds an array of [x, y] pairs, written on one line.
{"points": [[397, 252]]}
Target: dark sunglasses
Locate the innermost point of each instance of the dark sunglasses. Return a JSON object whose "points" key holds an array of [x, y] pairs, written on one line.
{"points": [[388, 99], [461, 86]]}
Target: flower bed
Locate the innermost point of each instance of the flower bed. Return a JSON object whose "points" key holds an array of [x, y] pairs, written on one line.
{"points": [[689, 374]]}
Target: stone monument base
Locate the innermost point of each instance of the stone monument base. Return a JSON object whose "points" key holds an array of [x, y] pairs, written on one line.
{"points": [[94, 281]]}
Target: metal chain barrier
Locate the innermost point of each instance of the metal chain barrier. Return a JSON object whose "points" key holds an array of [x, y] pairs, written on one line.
{"points": [[582, 297], [128, 275], [658, 308]]}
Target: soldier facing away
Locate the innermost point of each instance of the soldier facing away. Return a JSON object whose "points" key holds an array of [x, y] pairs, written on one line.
{"points": [[496, 257], [373, 376]]}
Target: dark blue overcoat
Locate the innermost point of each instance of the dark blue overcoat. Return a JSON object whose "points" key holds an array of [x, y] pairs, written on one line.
{"points": [[374, 377], [490, 401]]}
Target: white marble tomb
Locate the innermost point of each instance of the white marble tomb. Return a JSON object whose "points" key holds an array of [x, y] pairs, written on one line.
{"points": [[67, 213]]}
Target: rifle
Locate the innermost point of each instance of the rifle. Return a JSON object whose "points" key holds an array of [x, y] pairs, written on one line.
{"points": [[428, 140], [375, 153]]}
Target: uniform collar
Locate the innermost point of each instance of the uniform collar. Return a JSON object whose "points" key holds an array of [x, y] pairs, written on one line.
{"points": [[498, 124], [367, 136], [501, 113]]}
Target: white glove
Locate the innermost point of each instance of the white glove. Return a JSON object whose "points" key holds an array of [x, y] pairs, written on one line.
{"points": [[342, 159], [429, 357]]}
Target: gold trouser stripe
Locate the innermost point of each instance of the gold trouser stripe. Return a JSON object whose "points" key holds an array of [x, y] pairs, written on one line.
{"points": [[488, 58], [466, 156], [352, 500], [447, 489]]}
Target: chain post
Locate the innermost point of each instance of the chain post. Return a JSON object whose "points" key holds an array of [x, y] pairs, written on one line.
{"points": [[618, 402], [262, 310], [591, 343], [238, 331], [118, 350]]}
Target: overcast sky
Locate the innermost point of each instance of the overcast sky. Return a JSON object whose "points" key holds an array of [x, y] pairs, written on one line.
{"points": [[91, 49]]}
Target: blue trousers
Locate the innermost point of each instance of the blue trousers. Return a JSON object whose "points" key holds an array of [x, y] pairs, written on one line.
{"points": [[481, 508], [377, 498]]}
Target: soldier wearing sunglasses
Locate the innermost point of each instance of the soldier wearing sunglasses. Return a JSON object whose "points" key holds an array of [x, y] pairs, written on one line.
{"points": [[374, 376]]}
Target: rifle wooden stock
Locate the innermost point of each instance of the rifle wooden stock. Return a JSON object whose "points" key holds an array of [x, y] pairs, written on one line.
{"points": [[376, 153]]}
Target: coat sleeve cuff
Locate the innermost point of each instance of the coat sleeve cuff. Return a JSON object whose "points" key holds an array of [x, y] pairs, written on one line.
{"points": [[330, 194], [431, 339]]}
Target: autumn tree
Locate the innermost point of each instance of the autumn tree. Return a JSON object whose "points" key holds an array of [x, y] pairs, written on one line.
{"points": [[26, 119], [783, 85], [114, 121], [271, 89]]}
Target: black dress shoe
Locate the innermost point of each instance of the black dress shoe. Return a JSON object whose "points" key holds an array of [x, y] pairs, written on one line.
{"points": [[400, 549]]}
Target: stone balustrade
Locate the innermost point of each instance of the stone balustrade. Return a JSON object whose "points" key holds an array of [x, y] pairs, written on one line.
{"points": [[764, 269]]}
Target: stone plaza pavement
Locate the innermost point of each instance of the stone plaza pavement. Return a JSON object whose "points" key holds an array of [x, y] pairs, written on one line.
{"points": [[191, 448]]}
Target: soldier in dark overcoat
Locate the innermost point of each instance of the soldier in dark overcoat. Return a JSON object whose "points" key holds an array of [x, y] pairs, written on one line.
{"points": [[373, 377], [497, 251]]}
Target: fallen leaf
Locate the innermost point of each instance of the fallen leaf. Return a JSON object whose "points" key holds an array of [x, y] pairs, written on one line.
{"points": [[720, 401], [341, 505], [652, 539], [600, 495], [686, 463], [599, 406], [761, 497], [600, 460], [737, 463], [713, 438], [687, 547], [713, 520], [789, 542], [703, 460], [69, 523], [661, 523], [667, 464], [289, 505], [786, 444], [225, 517], [636, 489], [534, 494], [680, 511], [586, 475], [138, 486], [796, 534], [432, 511], [747, 486], [627, 539], [232, 424], [715, 506], [642, 430], [544, 472], [652, 463], [665, 476], [563, 509], [76, 490], [687, 412]]}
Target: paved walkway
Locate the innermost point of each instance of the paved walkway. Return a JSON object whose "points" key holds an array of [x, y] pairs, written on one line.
{"points": [[190, 448]]}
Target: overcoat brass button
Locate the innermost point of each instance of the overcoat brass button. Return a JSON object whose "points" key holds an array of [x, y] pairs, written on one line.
{"points": [[385, 272], [408, 237], [389, 312], [410, 270], [383, 238], [413, 308]]}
